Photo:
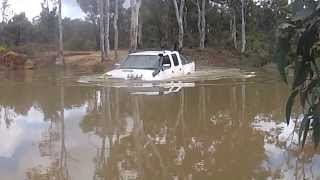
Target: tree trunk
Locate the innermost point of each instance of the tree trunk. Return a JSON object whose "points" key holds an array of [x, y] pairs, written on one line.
{"points": [[102, 48], [1, 33], [140, 33], [135, 8], [132, 4], [201, 22], [203, 25], [116, 31], [199, 18], [95, 23], [179, 16], [107, 28], [185, 19], [231, 25], [243, 27], [60, 59], [234, 30], [136, 27], [4, 20]]}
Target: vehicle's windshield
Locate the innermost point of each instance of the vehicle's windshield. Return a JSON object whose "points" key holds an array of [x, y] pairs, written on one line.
{"points": [[141, 62]]}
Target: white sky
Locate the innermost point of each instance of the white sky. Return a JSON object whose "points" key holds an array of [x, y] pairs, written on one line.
{"points": [[32, 8]]}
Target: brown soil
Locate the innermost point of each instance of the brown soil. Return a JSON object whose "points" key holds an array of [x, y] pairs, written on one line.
{"points": [[213, 57], [91, 60], [81, 60], [13, 60], [208, 57]]}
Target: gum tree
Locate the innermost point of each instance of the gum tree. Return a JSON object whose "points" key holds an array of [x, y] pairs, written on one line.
{"points": [[179, 10]]}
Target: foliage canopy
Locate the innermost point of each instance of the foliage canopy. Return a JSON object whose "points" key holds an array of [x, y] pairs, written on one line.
{"points": [[298, 47]]}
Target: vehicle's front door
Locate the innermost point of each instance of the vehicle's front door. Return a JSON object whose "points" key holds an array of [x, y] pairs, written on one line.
{"points": [[167, 70]]}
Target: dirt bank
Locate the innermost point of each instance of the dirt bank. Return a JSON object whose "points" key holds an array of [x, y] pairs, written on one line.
{"points": [[213, 57], [82, 60], [207, 57], [14, 61], [91, 60]]}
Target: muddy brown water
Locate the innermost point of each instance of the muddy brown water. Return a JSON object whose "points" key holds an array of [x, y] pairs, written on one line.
{"points": [[52, 126]]}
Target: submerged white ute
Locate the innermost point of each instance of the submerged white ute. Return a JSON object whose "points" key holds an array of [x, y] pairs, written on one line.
{"points": [[152, 66]]}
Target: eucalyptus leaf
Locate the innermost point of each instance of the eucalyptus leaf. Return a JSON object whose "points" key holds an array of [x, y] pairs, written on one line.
{"points": [[305, 134], [304, 94], [316, 131], [289, 105], [282, 50], [302, 127], [300, 73]]}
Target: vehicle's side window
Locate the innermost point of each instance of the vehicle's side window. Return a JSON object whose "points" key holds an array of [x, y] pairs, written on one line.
{"points": [[166, 63], [175, 60]]}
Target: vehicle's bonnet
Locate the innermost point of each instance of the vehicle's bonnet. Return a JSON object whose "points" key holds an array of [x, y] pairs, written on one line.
{"points": [[135, 74]]}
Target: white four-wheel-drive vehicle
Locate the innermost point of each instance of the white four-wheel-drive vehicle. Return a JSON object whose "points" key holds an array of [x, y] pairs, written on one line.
{"points": [[152, 66]]}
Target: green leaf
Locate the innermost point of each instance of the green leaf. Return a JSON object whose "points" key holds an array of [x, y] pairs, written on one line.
{"points": [[315, 67], [281, 57], [282, 63], [312, 85], [289, 105], [305, 134], [316, 131], [301, 70], [302, 127], [284, 35], [302, 66], [303, 98], [316, 110], [305, 94], [311, 72]]}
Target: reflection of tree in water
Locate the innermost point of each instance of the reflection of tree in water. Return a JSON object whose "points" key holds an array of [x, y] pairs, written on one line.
{"points": [[196, 135], [19, 93], [63, 168], [97, 121], [201, 133], [53, 145]]}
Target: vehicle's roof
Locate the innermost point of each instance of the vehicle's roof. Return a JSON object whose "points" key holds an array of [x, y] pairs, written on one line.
{"points": [[152, 53]]}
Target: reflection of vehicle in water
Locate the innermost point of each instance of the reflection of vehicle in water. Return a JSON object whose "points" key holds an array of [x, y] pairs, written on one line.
{"points": [[152, 65], [151, 88], [162, 89]]}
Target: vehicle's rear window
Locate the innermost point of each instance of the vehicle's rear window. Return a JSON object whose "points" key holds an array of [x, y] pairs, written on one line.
{"points": [[140, 62], [175, 60]]}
